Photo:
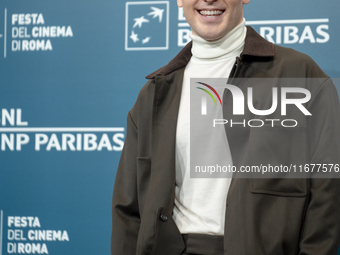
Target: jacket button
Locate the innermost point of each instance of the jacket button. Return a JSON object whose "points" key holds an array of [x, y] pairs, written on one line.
{"points": [[163, 217]]}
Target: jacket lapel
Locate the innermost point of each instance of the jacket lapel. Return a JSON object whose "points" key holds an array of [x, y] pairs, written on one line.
{"points": [[164, 124]]}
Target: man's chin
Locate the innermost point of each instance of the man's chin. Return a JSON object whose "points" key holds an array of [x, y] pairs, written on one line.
{"points": [[212, 36]]}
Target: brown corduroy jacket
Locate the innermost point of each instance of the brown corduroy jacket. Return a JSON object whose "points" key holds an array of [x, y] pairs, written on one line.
{"points": [[263, 216]]}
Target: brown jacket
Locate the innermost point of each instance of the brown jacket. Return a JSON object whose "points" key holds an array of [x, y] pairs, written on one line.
{"points": [[263, 216]]}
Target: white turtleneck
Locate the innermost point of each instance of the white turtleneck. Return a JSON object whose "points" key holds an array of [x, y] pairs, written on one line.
{"points": [[200, 203]]}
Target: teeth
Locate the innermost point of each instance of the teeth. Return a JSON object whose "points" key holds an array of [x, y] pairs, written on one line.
{"points": [[210, 13]]}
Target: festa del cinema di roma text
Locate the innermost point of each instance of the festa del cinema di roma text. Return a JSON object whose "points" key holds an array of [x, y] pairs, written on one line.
{"points": [[25, 236], [29, 32]]}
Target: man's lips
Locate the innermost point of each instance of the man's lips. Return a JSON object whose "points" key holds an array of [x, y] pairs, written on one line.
{"points": [[210, 13]]}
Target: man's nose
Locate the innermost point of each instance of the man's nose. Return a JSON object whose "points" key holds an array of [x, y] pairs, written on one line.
{"points": [[210, 1]]}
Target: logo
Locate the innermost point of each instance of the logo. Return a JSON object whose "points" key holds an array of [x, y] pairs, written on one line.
{"points": [[147, 25], [239, 100], [25, 32], [272, 98], [285, 32], [204, 98], [297, 31], [15, 134]]}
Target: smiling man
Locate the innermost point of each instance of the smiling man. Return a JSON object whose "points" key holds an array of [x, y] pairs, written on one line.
{"points": [[211, 20], [158, 209]]}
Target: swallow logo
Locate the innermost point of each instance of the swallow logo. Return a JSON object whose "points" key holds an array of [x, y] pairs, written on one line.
{"points": [[147, 25], [204, 98]]}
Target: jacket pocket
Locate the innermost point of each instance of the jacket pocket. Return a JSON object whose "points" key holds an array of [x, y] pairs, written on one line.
{"points": [[279, 187], [143, 179]]}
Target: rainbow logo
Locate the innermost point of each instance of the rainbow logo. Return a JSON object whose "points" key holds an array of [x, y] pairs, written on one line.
{"points": [[204, 99], [213, 90]]}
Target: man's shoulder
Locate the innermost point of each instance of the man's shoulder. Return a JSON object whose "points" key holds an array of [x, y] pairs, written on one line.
{"points": [[292, 63], [178, 62], [289, 54], [296, 64]]}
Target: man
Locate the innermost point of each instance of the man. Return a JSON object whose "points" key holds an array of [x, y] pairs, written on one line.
{"points": [[158, 209]]}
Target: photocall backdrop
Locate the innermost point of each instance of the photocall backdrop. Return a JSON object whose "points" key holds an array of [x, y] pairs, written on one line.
{"points": [[69, 73]]}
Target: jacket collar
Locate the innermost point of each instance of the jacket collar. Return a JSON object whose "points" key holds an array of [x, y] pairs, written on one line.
{"points": [[255, 46]]}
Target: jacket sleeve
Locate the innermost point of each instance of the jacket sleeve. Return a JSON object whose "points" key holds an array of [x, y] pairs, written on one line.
{"points": [[321, 230], [125, 210]]}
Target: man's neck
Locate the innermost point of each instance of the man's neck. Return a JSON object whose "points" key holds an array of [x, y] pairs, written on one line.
{"points": [[227, 46]]}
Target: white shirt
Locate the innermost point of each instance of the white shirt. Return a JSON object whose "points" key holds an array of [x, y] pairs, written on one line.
{"points": [[200, 203]]}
